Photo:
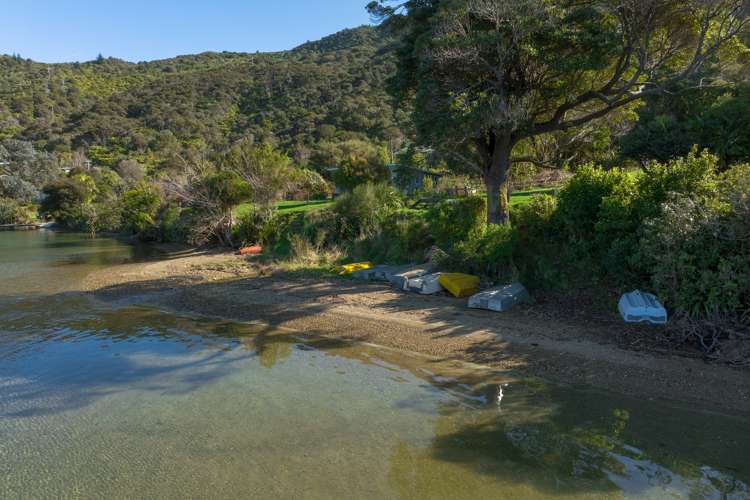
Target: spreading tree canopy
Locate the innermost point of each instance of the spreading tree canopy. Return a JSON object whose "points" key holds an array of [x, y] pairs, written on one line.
{"points": [[488, 75]]}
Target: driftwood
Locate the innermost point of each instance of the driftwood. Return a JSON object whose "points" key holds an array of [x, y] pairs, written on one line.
{"points": [[720, 339]]}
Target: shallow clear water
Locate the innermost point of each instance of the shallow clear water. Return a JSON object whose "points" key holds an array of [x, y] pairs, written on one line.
{"points": [[98, 402]]}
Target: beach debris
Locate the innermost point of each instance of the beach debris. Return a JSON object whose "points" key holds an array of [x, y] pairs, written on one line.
{"points": [[427, 284], [460, 285], [638, 307], [252, 250], [500, 298], [347, 269], [400, 280]]}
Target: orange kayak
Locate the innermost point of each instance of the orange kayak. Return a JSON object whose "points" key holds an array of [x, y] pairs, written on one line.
{"points": [[253, 250]]}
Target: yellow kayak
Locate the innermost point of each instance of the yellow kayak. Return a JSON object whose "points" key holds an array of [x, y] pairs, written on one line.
{"points": [[460, 285], [347, 269]]}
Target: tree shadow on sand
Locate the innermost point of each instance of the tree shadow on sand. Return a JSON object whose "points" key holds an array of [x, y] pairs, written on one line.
{"points": [[581, 442]]}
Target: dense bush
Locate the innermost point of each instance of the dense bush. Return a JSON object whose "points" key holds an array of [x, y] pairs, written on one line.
{"points": [[678, 229], [698, 256], [455, 220], [580, 201], [139, 208], [10, 211], [698, 248], [601, 213], [539, 248], [533, 221], [402, 237], [486, 252], [64, 200], [361, 211], [255, 226], [172, 227]]}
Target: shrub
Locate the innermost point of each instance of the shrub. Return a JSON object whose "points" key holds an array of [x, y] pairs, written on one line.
{"points": [[539, 249], [580, 201], [139, 208], [487, 252], [255, 226], [361, 211], [10, 211], [623, 213], [172, 225], [403, 237], [453, 221], [695, 174], [735, 182], [601, 213], [354, 171], [533, 221], [278, 232], [63, 200], [697, 253]]}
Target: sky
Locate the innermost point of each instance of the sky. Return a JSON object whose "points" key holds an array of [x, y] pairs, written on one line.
{"points": [[139, 30]]}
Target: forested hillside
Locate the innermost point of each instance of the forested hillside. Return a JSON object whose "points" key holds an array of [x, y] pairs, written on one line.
{"points": [[187, 106]]}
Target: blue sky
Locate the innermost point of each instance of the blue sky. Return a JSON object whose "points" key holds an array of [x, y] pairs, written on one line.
{"points": [[139, 30]]}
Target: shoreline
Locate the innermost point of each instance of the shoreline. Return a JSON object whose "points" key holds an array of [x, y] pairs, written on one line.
{"points": [[527, 339]]}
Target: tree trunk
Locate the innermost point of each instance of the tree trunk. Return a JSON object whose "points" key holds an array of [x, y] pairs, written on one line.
{"points": [[497, 182]]}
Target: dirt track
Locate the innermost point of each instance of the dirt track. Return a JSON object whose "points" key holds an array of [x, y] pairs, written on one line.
{"points": [[534, 339]]}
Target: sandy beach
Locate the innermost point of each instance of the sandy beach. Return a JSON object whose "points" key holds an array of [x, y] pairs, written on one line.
{"points": [[595, 350]]}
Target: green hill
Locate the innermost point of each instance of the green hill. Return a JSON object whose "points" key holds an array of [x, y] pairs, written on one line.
{"points": [[157, 111]]}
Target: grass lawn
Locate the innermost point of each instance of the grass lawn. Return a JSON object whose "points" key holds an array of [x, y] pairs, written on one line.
{"points": [[289, 207], [522, 197]]}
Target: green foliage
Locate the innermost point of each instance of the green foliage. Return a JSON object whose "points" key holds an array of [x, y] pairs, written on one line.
{"points": [[486, 252], [267, 171], [255, 225], [225, 189], [452, 221], [543, 258], [64, 199], [672, 124], [212, 198], [580, 201], [623, 212], [404, 236], [310, 185], [533, 220], [104, 156], [698, 255], [131, 172], [362, 210], [164, 112], [24, 170], [139, 208], [489, 79], [354, 171], [10, 211], [172, 226]]}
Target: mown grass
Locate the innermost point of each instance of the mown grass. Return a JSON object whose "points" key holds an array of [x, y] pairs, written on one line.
{"points": [[523, 197], [289, 207]]}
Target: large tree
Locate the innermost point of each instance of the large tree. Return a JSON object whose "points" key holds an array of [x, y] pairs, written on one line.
{"points": [[488, 75]]}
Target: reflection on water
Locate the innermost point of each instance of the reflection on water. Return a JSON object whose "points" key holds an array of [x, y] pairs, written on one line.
{"points": [[135, 403], [46, 261]]}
